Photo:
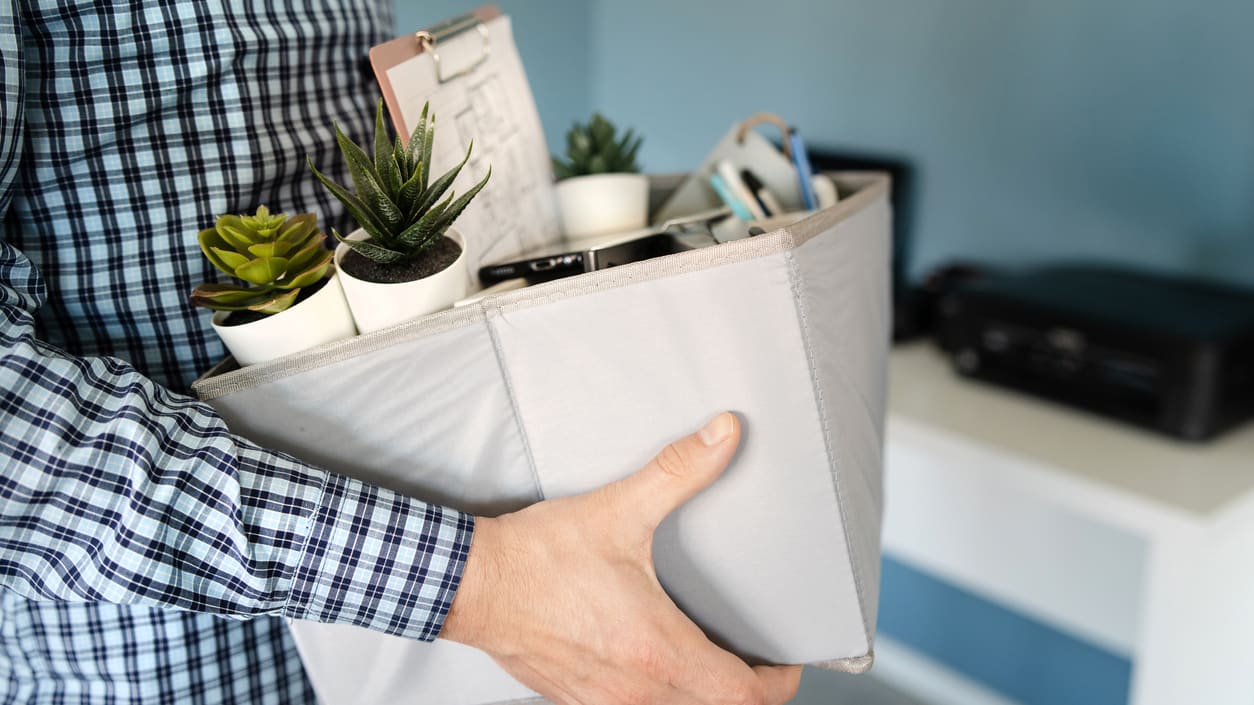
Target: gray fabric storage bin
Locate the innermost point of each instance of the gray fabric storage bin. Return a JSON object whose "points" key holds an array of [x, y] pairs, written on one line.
{"points": [[561, 387]]}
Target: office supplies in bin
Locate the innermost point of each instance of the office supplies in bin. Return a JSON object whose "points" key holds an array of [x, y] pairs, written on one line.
{"points": [[750, 175], [571, 257], [778, 560]]}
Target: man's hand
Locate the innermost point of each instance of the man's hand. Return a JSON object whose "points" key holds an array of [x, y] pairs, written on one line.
{"points": [[563, 594]]}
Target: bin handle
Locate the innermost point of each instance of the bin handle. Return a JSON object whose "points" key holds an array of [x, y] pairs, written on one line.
{"points": [[757, 119]]}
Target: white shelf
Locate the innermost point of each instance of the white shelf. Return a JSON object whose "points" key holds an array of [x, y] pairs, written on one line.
{"points": [[1133, 541], [1096, 466]]}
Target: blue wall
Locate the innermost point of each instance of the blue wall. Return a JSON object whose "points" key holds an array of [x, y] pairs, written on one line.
{"points": [[1121, 129]]}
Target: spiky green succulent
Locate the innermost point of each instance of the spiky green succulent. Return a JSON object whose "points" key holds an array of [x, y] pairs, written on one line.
{"points": [[392, 198], [275, 255], [593, 148]]}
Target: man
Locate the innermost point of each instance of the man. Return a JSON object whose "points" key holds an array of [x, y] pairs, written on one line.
{"points": [[147, 554]]}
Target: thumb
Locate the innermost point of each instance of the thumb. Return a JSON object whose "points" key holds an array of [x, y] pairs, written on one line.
{"points": [[681, 470]]}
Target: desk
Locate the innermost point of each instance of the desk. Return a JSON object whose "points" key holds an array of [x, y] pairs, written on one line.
{"points": [[1138, 543]]}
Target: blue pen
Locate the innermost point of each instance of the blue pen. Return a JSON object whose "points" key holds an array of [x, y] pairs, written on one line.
{"points": [[801, 159], [724, 193]]}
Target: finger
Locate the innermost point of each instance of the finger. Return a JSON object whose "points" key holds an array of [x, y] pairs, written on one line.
{"points": [[675, 696], [681, 470], [779, 683], [713, 675], [654, 691], [533, 679]]}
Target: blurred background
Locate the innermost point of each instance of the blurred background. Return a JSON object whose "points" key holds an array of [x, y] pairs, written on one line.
{"points": [[1122, 129], [1105, 132]]}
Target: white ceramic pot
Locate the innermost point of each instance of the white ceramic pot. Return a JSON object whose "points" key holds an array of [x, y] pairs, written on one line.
{"points": [[603, 203], [376, 306], [321, 318]]}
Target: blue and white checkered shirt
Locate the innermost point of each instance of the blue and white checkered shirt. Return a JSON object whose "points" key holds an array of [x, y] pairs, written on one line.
{"points": [[146, 553]]}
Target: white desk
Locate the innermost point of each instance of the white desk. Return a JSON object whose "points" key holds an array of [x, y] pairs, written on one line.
{"points": [[1135, 542]]}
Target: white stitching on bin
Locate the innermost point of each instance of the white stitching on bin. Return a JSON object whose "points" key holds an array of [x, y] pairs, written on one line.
{"points": [[513, 401]]}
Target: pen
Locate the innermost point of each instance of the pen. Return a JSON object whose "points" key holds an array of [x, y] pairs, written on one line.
{"points": [[801, 159], [766, 199], [724, 193], [739, 189]]}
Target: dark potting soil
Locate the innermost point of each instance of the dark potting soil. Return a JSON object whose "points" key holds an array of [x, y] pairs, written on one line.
{"points": [[239, 318], [434, 259]]}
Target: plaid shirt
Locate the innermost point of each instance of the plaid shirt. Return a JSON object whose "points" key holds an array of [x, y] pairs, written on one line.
{"points": [[146, 553]]}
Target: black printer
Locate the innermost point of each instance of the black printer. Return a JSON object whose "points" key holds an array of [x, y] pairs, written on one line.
{"points": [[1170, 354]]}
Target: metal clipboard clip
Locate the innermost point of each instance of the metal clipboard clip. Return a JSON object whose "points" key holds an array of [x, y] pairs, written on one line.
{"points": [[446, 30]]}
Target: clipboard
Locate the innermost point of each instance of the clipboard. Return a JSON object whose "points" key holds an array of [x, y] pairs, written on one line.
{"points": [[469, 69], [387, 56]]}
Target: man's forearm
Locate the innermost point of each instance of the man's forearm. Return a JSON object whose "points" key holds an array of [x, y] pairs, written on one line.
{"points": [[117, 490]]}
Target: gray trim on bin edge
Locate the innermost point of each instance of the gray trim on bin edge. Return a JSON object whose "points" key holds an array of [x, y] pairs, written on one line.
{"points": [[225, 378]]}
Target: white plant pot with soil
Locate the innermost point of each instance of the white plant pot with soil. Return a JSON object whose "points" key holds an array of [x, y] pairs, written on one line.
{"points": [[384, 295], [321, 317], [597, 204]]}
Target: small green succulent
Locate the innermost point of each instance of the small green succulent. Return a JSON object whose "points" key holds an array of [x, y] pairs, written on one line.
{"points": [[274, 254], [593, 149], [393, 199]]}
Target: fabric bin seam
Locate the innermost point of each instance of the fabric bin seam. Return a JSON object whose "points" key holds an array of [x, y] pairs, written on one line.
{"points": [[798, 296], [513, 400]]}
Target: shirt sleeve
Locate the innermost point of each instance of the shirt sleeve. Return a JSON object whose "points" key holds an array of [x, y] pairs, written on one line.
{"points": [[115, 489]]}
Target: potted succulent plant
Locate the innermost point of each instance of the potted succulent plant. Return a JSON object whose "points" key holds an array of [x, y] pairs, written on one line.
{"points": [[600, 188], [405, 260], [290, 299]]}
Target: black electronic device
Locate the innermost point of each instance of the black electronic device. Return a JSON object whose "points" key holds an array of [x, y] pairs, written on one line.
{"points": [[569, 259], [1169, 354]]}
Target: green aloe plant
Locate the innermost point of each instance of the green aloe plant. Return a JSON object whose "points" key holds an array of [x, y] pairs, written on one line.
{"points": [[393, 198], [275, 255], [594, 148]]}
